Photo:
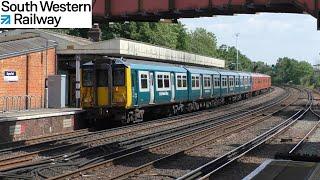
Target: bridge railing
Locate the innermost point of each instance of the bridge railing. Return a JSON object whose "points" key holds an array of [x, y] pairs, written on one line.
{"points": [[20, 103]]}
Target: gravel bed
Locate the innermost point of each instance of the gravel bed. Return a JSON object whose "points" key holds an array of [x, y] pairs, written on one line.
{"points": [[132, 162], [312, 145], [189, 120], [281, 144], [91, 138], [206, 153]]}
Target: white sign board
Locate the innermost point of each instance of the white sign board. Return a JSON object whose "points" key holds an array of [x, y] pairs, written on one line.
{"points": [[45, 14], [10, 76]]}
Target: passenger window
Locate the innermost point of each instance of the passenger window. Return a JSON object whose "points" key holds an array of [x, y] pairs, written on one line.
{"points": [[231, 80], [166, 81], [144, 81], [216, 82], [181, 81], [207, 82], [237, 81], [195, 81], [184, 81], [87, 77], [102, 78], [118, 77], [163, 81], [160, 81]]}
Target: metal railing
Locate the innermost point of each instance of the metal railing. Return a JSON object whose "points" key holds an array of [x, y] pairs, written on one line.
{"points": [[20, 103]]}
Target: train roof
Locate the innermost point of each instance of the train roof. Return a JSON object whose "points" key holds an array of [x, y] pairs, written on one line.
{"points": [[244, 73], [259, 75], [196, 70], [150, 65], [228, 73]]}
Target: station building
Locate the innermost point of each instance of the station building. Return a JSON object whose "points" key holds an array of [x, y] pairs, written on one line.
{"points": [[25, 63]]}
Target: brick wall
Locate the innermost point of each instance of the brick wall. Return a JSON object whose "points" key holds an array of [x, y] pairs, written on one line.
{"points": [[36, 71]]}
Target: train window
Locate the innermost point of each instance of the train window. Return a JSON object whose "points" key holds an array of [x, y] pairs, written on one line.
{"points": [[224, 82], [195, 82], [237, 81], [160, 81], [144, 81], [102, 78], [231, 82], [119, 76], [87, 77], [166, 81], [207, 82], [216, 82], [163, 81], [181, 80]]}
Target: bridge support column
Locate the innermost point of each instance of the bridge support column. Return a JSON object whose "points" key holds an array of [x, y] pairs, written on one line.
{"points": [[78, 60], [318, 19]]}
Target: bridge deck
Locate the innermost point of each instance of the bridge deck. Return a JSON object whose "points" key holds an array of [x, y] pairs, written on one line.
{"points": [[151, 10]]}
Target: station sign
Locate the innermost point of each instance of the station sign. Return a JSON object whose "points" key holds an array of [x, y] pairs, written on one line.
{"points": [[10, 76], [45, 14]]}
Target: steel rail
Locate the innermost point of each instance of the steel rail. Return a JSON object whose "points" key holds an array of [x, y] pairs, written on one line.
{"points": [[307, 135], [242, 126], [41, 139], [164, 121], [22, 160], [110, 162], [207, 170]]}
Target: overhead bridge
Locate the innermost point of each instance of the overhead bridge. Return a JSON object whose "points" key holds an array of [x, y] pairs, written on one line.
{"points": [[155, 10]]}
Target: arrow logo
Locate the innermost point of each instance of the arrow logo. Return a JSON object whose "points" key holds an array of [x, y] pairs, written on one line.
{"points": [[5, 19]]}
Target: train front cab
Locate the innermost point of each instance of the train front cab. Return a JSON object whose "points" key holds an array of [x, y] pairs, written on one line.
{"points": [[122, 91], [94, 91]]}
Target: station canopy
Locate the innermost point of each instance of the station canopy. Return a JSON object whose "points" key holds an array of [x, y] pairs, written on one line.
{"points": [[120, 47]]}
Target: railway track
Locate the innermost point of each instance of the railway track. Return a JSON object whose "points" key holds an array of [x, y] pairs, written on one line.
{"points": [[70, 136], [199, 135], [11, 146], [311, 131], [25, 159], [208, 170], [24, 143]]}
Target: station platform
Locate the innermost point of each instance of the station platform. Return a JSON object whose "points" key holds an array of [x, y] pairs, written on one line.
{"points": [[285, 170], [22, 125]]}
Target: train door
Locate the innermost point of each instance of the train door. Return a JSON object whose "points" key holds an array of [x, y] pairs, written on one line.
{"points": [[201, 88], [173, 92], [151, 82], [135, 88]]}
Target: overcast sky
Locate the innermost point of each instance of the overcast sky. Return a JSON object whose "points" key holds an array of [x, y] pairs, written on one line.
{"points": [[266, 37]]}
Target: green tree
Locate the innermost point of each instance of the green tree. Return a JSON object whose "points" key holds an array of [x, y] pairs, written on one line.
{"points": [[294, 72], [230, 55], [203, 42]]}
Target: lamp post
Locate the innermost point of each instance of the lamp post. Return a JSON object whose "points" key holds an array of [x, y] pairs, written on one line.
{"points": [[237, 36]]}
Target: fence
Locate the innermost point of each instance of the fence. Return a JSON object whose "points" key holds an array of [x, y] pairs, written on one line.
{"points": [[20, 103]]}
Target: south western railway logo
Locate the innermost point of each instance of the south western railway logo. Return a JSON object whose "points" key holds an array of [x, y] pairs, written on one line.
{"points": [[45, 14]]}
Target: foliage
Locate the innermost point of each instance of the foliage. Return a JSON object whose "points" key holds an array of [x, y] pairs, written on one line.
{"points": [[230, 55], [202, 42], [291, 71]]}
